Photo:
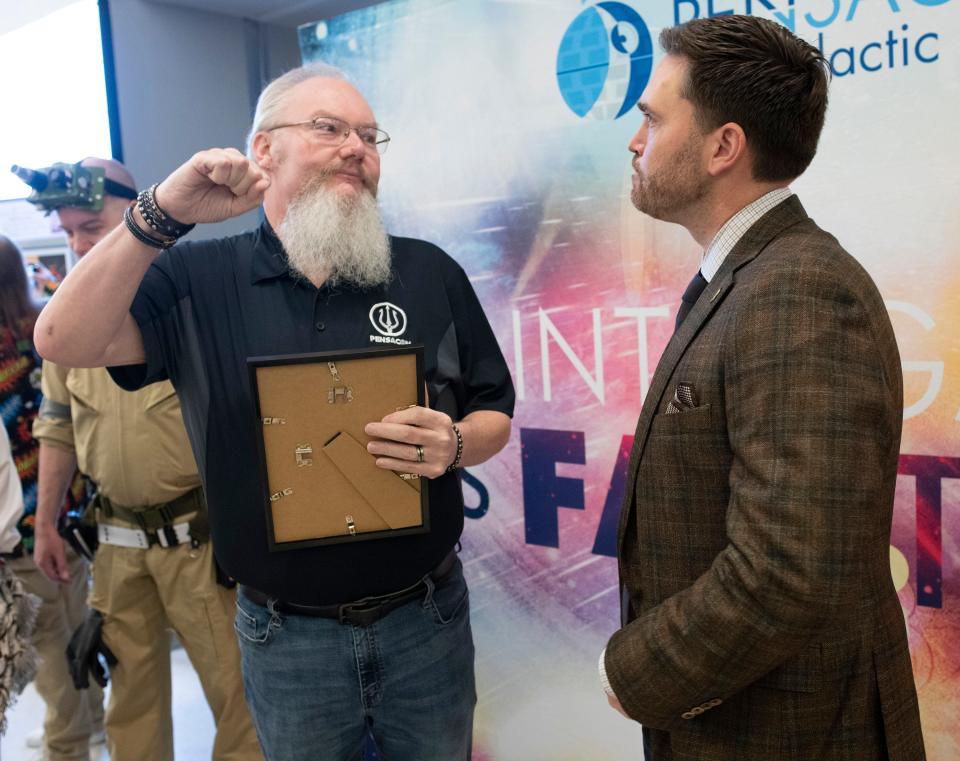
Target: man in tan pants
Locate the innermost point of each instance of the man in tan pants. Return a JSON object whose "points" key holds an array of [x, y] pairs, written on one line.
{"points": [[154, 570]]}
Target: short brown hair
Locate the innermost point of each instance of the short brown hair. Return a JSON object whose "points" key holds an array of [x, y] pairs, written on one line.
{"points": [[758, 74]]}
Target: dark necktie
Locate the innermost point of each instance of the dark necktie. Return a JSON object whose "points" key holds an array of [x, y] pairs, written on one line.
{"points": [[690, 297]]}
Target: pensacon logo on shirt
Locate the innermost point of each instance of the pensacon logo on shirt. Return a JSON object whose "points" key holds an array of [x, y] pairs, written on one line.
{"points": [[604, 61], [390, 321]]}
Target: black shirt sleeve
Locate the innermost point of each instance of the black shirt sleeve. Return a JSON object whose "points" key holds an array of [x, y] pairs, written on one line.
{"points": [[158, 311], [486, 379]]}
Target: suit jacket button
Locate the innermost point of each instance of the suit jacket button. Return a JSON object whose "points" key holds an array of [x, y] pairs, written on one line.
{"points": [[687, 715], [715, 702]]}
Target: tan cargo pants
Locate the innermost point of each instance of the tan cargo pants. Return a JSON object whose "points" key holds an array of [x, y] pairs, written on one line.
{"points": [[142, 594], [71, 715]]}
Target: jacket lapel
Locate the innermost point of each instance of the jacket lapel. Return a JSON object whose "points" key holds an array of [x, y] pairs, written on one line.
{"points": [[765, 229]]}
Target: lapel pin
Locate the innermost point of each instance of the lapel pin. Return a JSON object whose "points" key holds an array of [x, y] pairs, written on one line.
{"points": [[717, 293]]}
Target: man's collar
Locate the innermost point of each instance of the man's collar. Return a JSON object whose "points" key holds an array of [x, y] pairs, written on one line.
{"points": [[735, 228], [269, 259], [782, 216]]}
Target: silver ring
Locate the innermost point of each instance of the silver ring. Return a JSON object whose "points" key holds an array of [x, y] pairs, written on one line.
{"points": [[419, 453]]}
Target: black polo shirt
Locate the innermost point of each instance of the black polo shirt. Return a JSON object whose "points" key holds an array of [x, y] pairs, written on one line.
{"points": [[205, 307]]}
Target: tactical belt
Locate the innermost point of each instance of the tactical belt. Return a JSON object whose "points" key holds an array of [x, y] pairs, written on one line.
{"points": [[154, 517], [168, 536], [361, 612], [157, 526]]}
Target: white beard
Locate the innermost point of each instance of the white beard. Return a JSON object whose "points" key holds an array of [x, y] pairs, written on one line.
{"points": [[335, 239]]}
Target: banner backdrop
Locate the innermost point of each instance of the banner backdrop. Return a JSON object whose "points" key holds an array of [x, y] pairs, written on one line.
{"points": [[510, 123]]}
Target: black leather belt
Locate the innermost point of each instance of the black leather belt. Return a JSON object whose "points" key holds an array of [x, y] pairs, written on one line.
{"points": [[361, 612]]}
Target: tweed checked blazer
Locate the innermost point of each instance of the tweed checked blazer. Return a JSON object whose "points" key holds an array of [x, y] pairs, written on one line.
{"points": [[754, 536]]}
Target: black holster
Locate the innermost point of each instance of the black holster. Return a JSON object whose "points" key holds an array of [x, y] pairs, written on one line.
{"points": [[85, 650]]}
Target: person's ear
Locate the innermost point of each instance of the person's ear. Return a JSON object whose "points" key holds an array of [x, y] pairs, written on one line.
{"points": [[261, 149], [728, 148]]}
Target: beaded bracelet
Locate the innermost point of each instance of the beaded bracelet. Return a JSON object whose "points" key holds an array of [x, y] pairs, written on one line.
{"points": [[160, 222], [140, 234], [456, 460]]}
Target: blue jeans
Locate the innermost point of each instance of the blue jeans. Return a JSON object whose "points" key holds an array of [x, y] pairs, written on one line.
{"points": [[314, 686]]}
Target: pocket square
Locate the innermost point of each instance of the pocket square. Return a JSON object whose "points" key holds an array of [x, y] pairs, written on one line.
{"points": [[684, 398]]}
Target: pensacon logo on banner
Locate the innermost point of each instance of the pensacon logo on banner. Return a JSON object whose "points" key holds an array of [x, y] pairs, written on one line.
{"points": [[604, 61]]}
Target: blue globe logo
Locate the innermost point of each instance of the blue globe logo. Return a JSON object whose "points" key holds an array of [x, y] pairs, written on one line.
{"points": [[604, 61]]}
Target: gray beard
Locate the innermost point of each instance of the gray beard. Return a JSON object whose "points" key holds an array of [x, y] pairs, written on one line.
{"points": [[335, 239]]}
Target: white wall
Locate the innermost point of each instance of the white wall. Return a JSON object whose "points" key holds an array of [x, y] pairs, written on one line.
{"points": [[186, 80], [15, 15]]}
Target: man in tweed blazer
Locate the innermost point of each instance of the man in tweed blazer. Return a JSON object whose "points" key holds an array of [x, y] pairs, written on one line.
{"points": [[762, 621]]}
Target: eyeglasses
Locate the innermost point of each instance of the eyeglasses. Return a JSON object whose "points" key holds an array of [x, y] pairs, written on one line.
{"points": [[332, 131]]}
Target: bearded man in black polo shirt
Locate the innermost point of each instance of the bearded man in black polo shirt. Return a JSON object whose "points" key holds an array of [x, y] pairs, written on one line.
{"points": [[312, 278]]}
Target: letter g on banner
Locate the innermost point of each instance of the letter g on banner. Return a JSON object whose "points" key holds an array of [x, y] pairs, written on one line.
{"points": [[604, 61]]}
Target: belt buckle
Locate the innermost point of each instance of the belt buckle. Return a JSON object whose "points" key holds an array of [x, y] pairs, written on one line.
{"points": [[165, 536], [360, 612]]}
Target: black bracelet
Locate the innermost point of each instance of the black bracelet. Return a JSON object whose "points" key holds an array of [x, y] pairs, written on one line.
{"points": [[456, 460], [160, 222], [140, 235]]}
